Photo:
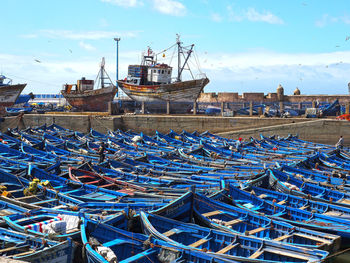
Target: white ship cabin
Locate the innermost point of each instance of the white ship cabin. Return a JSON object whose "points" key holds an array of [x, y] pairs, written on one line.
{"points": [[159, 74]]}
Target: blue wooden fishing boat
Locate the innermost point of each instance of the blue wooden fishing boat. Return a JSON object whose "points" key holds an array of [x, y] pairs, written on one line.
{"points": [[33, 194], [13, 111], [27, 248], [104, 243], [296, 216], [47, 223], [17, 156], [9, 141], [306, 204], [223, 244], [74, 189], [327, 193], [212, 213]]}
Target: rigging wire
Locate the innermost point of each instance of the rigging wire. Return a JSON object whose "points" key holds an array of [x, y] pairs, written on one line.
{"points": [[165, 49], [41, 82]]}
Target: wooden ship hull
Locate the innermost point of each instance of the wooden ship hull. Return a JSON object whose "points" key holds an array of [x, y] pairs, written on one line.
{"points": [[9, 94], [91, 100], [177, 91]]}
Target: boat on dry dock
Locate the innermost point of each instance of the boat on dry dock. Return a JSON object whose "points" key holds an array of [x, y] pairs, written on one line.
{"points": [[152, 82], [9, 92], [84, 97]]}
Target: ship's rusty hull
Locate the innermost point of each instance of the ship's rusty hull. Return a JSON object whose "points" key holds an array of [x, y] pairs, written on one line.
{"points": [[9, 94], [177, 91], [91, 100]]}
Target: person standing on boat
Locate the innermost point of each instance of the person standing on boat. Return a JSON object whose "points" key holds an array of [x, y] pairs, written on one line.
{"points": [[340, 143], [239, 144], [101, 152]]}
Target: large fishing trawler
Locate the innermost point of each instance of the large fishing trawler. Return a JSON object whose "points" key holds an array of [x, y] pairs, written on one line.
{"points": [[8, 92], [84, 97], [152, 81]]}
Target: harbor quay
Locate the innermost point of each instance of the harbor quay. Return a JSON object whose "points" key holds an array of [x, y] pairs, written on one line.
{"points": [[315, 130]]}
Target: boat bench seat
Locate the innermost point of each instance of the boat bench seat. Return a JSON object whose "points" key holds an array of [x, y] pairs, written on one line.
{"points": [[30, 251], [257, 254], [212, 213], [280, 238], [292, 254], [227, 248], [282, 202], [170, 232], [318, 239], [254, 231], [114, 242], [199, 242], [13, 248], [25, 197], [233, 222]]}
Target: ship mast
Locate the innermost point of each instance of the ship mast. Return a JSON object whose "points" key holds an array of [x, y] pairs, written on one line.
{"points": [[101, 72], [103, 75], [179, 52]]}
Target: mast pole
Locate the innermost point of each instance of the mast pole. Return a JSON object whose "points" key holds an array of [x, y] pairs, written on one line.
{"points": [[178, 42], [102, 71], [117, 39], [188, 56]]}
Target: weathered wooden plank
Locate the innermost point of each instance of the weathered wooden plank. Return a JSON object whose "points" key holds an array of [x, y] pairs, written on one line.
{"points": [[254, 231], [280, 238], [169, 233], [233, 222], [199, 242], [257, 254], [212, 213], [227, 248], [318, 239]]}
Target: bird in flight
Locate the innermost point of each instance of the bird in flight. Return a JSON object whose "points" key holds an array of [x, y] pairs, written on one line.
{"points": [[37, 60]]}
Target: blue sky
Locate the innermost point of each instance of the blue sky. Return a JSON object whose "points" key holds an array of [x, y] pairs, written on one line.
{"points": [[242, 46]]}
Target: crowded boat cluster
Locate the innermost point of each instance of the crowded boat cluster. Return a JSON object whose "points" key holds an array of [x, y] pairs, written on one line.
{"points": [[67, 196]]}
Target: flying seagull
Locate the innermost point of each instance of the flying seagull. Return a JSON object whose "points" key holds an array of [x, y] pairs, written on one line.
{"points": [[37, 60]]}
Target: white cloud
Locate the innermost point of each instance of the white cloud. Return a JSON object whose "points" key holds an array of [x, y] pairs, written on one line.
{"points": [[91, 35], [262, 71], [216, 17], [29, 36], [86, 46], [327, 19], [124, 3], [169, 7], [251, 14], [267, 58], [268, 17]]}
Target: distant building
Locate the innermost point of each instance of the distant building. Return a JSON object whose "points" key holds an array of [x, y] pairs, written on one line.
{"points": [[55, 99]]}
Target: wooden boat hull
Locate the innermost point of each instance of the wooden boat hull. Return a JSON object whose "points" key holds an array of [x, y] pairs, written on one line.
{"points": [[178, 91], [93, 100], [9, 94], [28, 248]]}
